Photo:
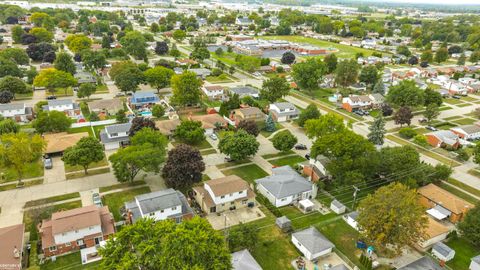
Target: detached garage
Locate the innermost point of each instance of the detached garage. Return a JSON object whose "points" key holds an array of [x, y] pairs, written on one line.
{"points": [[312, 243]]}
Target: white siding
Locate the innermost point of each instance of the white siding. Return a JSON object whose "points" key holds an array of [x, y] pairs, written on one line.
{"points": [[306, 252], [61, 108], [226, 198], [474, 266], [112, 145], [75, 235], [158, 215], [12, 113], [430, 242]]}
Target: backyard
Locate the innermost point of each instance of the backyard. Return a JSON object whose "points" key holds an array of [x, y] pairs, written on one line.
{"points": [[69, 261], [464, 252], [116, 200]]}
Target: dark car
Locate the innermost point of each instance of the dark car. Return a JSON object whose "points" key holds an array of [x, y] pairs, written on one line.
{"points": [[456, 97], [51, 97], [228, 159], [300, 146]]}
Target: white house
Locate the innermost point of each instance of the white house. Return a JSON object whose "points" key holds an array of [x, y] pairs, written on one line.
{"points": [[63, 105], [475, 264], [443, 252], [354, 102], [283, 111], [285, 186], [351, 219], [213, 91], [18, 112], [467, 132], [337, 207], [159, 205], [115, 136], [312, 244], [243, 21]]}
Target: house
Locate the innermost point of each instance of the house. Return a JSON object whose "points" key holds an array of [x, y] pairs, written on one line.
{"points": [[359, 87], [423, 263], [214, 92], [285, 186], [377, 100], [17, 112], [467, 132], [243, 21], [167, 127], [443, 252], [115, 136], [75, 229], [337, 207], [210, 122], [226, 193], [106, 106], [243, 260], [139, 99], [84, 77], [58, 142], [312, 244], [248, 113], [243, 91], [67, 106], [475, 263], [316, 169], [353, 103], [283, 111], [11, 246], [159, 205], [443, 138], [201, 73], [442, 204], [351, 219], [434, 233]]}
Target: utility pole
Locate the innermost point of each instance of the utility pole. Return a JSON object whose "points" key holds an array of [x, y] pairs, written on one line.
{"points": [[355, 196]]}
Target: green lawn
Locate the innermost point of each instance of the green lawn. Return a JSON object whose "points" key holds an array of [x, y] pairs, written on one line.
{"points": [[458, 193], [248, 173], [102, 88], [80, 130], [233, 163], [279, 154], [25, 184], [464, 105], [122, 185], [81, 174], [63, 92], [453, 101], [200, 146], [25, 96], [208, 152], [219, 79], [302, 221], [467, 98], [101, 163], [116, 200], [69, 261], [465, 121], [267, 134], [33, 170], [52, 199], [464, 186], [34, 216], [464, 252], [290, 160]]}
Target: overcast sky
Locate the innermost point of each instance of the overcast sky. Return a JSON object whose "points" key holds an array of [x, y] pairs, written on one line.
{"points": [[447, 2]]}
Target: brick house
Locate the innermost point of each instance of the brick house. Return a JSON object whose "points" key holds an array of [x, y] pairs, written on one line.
{"points": [[443, 138], [75, 229]]}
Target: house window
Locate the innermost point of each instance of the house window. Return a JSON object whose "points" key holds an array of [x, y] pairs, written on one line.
{"points": [[231, 194], [80, 242], [52, 248], [152, 214], [178, 219], [244, 201], [240, 192], [174, 208], [222, 197], [283, 199], [232, 203], [161, 211], [114, 134], [76, 231], [68, 244]]}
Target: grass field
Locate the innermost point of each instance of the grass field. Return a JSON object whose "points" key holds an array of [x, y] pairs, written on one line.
{"points": [[233, 163], [116, 200], [101, 163], [80, 130], [458, 193], [290, 160], [33, 170], [465, 121], [279, 154], [25, 184], [80, 174], [200, 146], [344, 51], [248, 173], [464, 252], [69, 261], [122, 185], [52, 199]]}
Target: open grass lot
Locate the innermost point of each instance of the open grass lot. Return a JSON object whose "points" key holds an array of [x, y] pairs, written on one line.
{"points": [[53, 199], [34, 216], [101, 163], [344, 51], [70, 261], [290, 160], [248, 173], [464, 252], [116, 200], [33, 170]]}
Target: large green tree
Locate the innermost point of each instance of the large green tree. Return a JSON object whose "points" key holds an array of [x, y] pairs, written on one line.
{"points": [[238, 145], [311, 112], [18, 55], [85, 152], [309, 74], [346, 72], [64, 62], [183, 168], [135, 44], [53, 121], [158, 77], [186, 89], [470, 226], [377, 131], [8, 126], [12, 84], [274, 88], [406, 93], [369, 75], [324, 125], [128, 79], [52, 79], [78, 42], [284, 141], [190, 132]]}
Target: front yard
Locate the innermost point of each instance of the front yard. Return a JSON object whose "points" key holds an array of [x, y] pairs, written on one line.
{"points": [[33, 170], [116, 200], [248, 173], [290, 160]]}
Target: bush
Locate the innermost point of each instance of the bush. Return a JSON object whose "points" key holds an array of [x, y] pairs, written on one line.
{"points": [[216, 72], [407, 133], [265, 202], [462, 154], [420, 140]]}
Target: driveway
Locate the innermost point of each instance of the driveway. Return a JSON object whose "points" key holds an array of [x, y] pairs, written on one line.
{"points": [[234, 217], [86, 196], [56, 173]]}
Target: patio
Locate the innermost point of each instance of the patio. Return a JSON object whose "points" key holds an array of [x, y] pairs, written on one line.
{"points": [[329, 260], [234, 217]]}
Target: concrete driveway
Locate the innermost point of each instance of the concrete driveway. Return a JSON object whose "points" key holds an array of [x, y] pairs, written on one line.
{"points": [[234, 217], [56, 173], [86, 196]]}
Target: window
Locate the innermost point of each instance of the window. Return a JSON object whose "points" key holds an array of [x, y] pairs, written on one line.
{"points": [[240, 192], [68, 244], [231, 194], [283, 199], [222, 197], [152, 214], [52, 248], [232, 203], [80, 242], [174, 208], [178, 219], [244, 201], [76, 231], [161, 211], [114, 134]]}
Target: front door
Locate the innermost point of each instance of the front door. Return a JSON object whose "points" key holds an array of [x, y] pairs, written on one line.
{"points": [[213, 209]]}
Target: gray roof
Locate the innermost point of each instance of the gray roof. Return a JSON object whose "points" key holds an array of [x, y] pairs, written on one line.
{"points": [[105, 139], [476, 259], [284, 105], [244, 90], [159, 200], [442, 210], [353, 215], [10, 106], [337, 204], [243, 260], [284, 182], [57, 102], [443, 249], [470, 129], [424, 263], [282, 220], [313, 240], [118, 128], [201, 71], [339, 267]]}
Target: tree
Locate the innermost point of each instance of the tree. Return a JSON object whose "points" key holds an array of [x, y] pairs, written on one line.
{"points": [[9, 68], [432, 97], [161, 48], [238, 145], [475, 56], [200, 52], [158, 111], [324, 125], [461, 60], [270, 124], [85, 152], [183, 168], [331, 61], [426, 56], [8, 126], [243, 236], [190, 132], [392, 217], [154, 28], [17, 32], [93, 60], [139, 123], [379, 88], [476, 153], [219, 51], [413, 60], [432, 111], [186, 89], [369, 75], [6, 97], [17, 55], [41, 34], [174, 52], [86, 90], [179, 35], [158, 77], [309, 74], [128, 79], [311, 112], [377, 131], [18, 150], [403, 116], [346, 72], [250, 126], [406, 93], [441, 55], [146, 244], [106, 40], [53, 121], [78, 42], [386, 110], [121, 116], [403, 50], [13, 84], [52, 79], [64, 62], [38, 51], [284, 141], [288, 58], [274, 88], [135, 44], [470, 226]]}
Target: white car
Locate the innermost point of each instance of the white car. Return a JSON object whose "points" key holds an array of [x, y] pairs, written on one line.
{"points": [[213, 136]]}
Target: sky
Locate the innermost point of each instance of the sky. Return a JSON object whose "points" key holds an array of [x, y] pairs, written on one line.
{"points": [[443, 2]]}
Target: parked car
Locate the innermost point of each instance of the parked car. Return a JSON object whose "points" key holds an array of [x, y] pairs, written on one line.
{"points": [[229, 159], [422, 120], [431, 128], [47, 162], [97, 200], [300, 146], [307, 156], [120, 94], [51, 97], [456, 97], [213, 136]]}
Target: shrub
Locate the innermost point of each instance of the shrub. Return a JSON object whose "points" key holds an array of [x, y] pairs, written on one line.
{"points": [[265, 202], [420, 140], [407, 132]]}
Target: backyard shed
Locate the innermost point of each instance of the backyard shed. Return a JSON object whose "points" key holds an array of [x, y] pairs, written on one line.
{"points": [[337, 207], [443, 252], [306, 205], [283, 223], [312, 243]]}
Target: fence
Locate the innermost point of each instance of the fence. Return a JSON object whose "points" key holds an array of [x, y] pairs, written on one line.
{"points": [[96, 123]]}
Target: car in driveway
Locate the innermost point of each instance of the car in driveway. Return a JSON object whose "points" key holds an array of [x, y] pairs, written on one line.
{"points": [[431, 128], [51, 97], [47, 162], [97, 200], [213, 136], [300, 146]]}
